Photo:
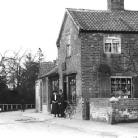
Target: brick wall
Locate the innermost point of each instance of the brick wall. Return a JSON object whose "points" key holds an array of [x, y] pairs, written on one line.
{"points": [[90, 59], [92, 56], [115, 111], [125, 110]]}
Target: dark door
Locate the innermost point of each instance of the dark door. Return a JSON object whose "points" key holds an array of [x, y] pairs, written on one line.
{"points": [[65, 90], [105, 87], [135, 87]]}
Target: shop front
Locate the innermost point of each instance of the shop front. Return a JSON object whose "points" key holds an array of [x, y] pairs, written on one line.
{"points": [[69, 88], [118, 87]]}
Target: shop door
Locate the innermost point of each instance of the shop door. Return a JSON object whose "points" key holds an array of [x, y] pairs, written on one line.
{"points": [[54, 85], [105, 87], [135, 87]]}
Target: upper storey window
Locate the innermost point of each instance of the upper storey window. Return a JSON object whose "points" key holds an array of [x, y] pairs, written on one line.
{"points": [[112, 45], [68, 45]]}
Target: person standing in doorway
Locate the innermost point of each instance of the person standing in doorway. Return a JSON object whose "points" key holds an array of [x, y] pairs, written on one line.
{"points": [[61, 103], [55, 109]]}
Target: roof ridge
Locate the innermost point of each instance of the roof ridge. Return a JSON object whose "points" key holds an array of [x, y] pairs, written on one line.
{"points": [[83, 9], [90, 10]]}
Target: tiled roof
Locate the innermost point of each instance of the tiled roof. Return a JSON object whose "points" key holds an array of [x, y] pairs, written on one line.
{"points": [[105, 20], [45, 67], [52, 72]]}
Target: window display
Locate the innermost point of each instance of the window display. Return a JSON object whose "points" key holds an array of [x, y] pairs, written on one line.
{"points": [[121, 87]]}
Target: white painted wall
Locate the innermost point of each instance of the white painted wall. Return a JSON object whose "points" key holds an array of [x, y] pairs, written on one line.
{"points": [[37, 96]]}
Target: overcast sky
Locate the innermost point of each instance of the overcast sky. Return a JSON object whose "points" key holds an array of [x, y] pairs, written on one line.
{"points": [[33, 24]]}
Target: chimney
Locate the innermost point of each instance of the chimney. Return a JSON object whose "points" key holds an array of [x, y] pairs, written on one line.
{"points": [[115, 4]]}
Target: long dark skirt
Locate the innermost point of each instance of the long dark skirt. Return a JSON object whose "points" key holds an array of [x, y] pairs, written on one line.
{"points": [[55, 108], [61, 109]]}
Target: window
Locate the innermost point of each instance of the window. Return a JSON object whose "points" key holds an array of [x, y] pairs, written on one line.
{"points": [[55, 85], [112, 45], [121, 86], [72, 89], [68, 46]]}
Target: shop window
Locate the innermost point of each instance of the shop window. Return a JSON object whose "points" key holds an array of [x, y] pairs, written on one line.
{"points": [[112, 45], [55, 85], [72, 89], [68, 46], [121, 87]]}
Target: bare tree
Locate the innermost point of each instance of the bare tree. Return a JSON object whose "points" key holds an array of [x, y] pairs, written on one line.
{"points": [[14, 66]]}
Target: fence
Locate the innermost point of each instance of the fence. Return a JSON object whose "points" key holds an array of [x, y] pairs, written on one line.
{"points": [[14, 107]]}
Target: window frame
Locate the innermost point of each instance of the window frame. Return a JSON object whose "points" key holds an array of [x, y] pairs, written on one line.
{"points": [[121, 82], [68, 45], [115, 38], [55, 84], [72, 88]]}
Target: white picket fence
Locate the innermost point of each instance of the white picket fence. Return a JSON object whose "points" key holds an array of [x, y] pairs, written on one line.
{"points": [[11, 107]]}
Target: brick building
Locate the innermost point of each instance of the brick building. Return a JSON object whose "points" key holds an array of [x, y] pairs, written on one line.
{"points": [[93, 47]]}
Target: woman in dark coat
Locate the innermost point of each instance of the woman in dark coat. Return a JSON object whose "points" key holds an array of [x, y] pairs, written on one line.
{"points": [[55, 109], [61, 103]]}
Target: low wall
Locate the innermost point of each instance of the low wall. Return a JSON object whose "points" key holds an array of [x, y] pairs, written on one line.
{"points": [[14, 107], [102, 109]]}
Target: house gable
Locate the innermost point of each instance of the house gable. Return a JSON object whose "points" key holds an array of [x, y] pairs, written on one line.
{"points": [[66, 17]]}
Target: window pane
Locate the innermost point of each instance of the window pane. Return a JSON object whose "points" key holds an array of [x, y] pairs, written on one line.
{"points": [[116, 46], [68, 39], [107, 47], [72, 89], [55, 85], [68, 50], [68, 45], [119, 49]]}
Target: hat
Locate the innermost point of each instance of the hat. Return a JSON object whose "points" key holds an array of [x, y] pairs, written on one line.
{"points": [[55, 92]]}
